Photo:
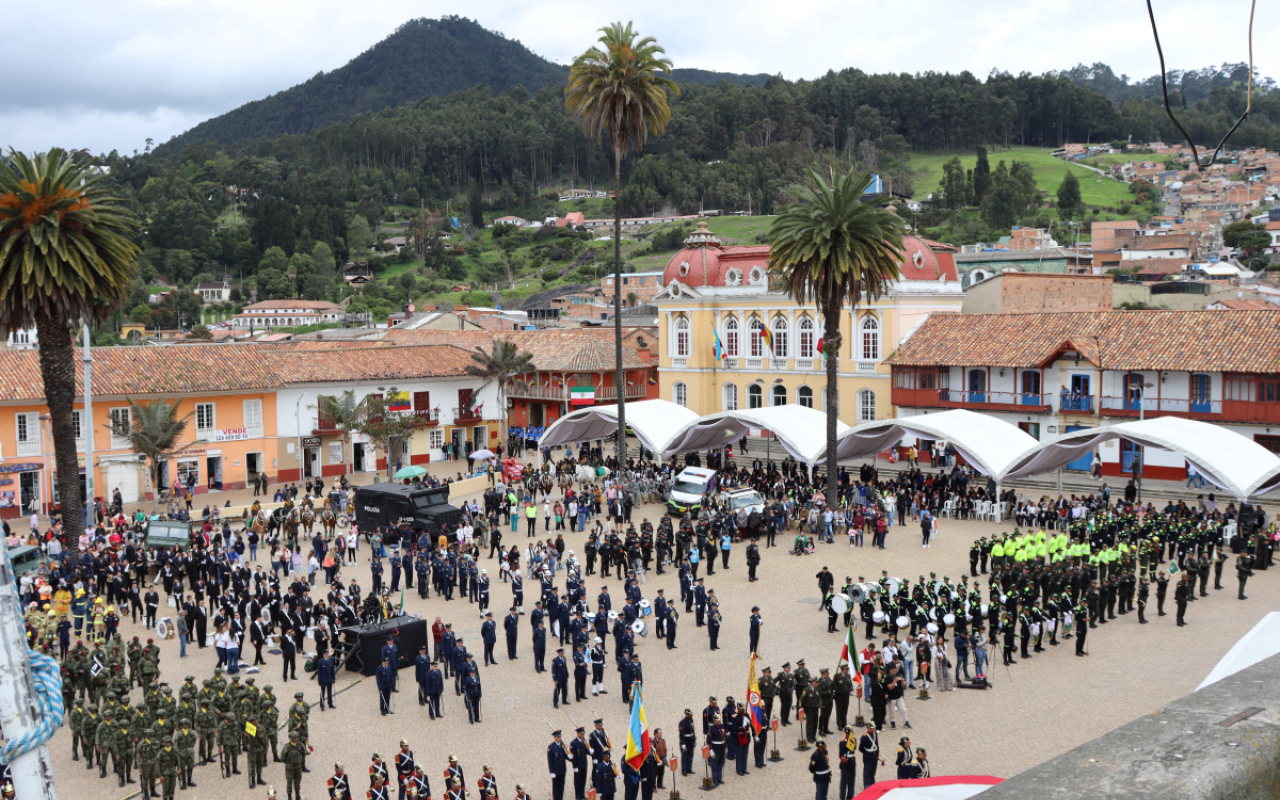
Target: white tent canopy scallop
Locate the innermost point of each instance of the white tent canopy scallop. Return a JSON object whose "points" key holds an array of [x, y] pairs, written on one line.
{"points": [[801, 430], [1230, 461], [653, 421], [990, 445]]}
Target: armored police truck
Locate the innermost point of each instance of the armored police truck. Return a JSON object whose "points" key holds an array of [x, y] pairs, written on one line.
{"points": [[422, 509]]}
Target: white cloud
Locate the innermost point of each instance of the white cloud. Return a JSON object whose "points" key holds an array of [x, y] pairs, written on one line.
{"points": [[152, 68]]}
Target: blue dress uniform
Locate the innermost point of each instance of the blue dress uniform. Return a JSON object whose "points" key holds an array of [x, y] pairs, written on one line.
{"points": [[820, 768], [395, 574], [670, 628], [386, 682], [459, 666], [604, 780], [448, 641], [407, 563], [422, 567], [539, 647], [482, 591], [557, 765], [756, 622], [630, 781], [375, 569], [511, 625], [472, 691], [580, 755], [688, 743], [421, 668], [435, 688], [713, 627], [489, 635], [660, 616], [391, 654], [627, 677], [716, 738], [560, 677], [597, 670], [517, 591], [742, 741]]}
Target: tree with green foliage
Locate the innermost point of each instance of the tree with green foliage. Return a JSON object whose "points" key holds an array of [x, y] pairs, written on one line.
{"points": [[153, 431], [955, 185], [384, 426], [836, 251], [359, 239], [500, 365], [1246, 236], [475, 206], [981, 176], [1070, 203], [343, 412], [67, 256], [620, 89]]}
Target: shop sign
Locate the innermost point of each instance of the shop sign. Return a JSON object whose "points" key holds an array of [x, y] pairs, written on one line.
{"points": [[230, 435]]}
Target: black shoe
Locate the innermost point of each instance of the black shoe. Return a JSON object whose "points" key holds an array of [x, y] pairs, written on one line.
{"points": [[1142, 621], [906, 725], [235, 772], [304, 769], [75, 756], [276, 759], [191, 783], [121, 777]]}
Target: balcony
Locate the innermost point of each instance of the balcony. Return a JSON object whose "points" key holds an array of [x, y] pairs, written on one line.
{"points": [[632, 393], [325, 427], [977, 401], [538, 392], [461, 415], [428, 415], [1068, 404], [865, 367], [1166, 407]]}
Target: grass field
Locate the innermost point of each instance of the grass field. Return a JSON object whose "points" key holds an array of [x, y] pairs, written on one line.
{"points": [[1048, 171]]}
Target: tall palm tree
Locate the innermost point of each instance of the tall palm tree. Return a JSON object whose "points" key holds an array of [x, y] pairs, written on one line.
{"points": [[833, 249], [67, 255], [344, 412], [617, 91], [153, 432], [500, 364]]}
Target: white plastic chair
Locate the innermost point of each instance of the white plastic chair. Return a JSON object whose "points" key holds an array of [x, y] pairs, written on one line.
{"points": [[984, 509], [948, 508]]}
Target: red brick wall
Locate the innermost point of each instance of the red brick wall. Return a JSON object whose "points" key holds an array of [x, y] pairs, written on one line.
{"points": [[1043, 292]]}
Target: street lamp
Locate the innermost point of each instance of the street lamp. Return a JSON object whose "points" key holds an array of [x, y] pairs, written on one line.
{"points": [[1142, 415]]}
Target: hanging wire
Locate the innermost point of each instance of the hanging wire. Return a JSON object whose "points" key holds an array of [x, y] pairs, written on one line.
{"points": [[1164, 86]]}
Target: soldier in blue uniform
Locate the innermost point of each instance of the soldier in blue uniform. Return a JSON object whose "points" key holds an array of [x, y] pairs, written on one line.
{"points": [[716, 739], [713, 625], [557, 764], [579, 673], [471, 688], [517, 592], [597, 668], [391, 654], [395, 572], [756, 622], [559, 678], [375, 569], [435, 688], [539, 645], [580, 755], [421, 668], [604, 779], [673, 616], [660, 615], [448, 640], [407, 562], [489, 635], [423, 567], [386, 682], [482, 590], [459, 665], [511, 625]]}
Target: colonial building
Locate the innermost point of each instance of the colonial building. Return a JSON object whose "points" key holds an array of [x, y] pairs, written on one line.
{"points": [[287, 314], [771, 344], [1052, 373]]}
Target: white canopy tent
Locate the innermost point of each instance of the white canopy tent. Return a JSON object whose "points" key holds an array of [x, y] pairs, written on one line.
{"points": [[653, 421], [801, 430], [990, 445], [1230, 461]]}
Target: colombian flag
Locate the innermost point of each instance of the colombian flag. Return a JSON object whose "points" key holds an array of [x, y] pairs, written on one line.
{"points": [[653, 380], [719, 348], [758, 720], [638, 745]]}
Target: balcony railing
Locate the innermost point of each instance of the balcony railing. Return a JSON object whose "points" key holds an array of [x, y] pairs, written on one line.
{"points": [[429, 415], [632, 393], [538, 392], [325, 427], [1163, 407], [466, 415], [983, 401], [1075, 404]]}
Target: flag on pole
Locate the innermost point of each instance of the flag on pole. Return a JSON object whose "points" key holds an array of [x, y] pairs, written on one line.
{"points": [[402, 598], [582, 395], [638, 745], [821, 352], [766, 336], [850, 653], [719, 348], [753, 698], [653, 380]]}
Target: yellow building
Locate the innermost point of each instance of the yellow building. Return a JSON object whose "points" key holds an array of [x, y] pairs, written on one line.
{"points": [[711, 289]]}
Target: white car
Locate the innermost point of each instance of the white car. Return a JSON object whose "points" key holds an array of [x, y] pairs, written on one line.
{"points": [[742, 497], [687, 490]]}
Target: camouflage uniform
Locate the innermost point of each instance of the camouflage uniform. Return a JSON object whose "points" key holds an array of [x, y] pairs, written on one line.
{"points": [[145, 753], [88, 734], [295, 755], [184, 741], [207, 729], [269, 721], [167, 766], [75, 718], [229, 739], [104, 737]]}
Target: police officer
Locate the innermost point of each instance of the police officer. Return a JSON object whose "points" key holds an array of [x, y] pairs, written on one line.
{"points": [[688, 742], [820, 769], [386, 684], [511, 625], [786, 688], [580, 755], [489, 635], [559, 679], [756, 622], [558, 757]]}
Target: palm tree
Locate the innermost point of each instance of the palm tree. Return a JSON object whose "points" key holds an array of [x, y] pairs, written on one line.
{"points": [[500, 365], [344, 412], [153, 432], [617, 91], [832, 248], [67, 255]]}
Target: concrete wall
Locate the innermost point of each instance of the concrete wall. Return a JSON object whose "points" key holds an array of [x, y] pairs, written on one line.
{"points": [[1014, 292], [1192, 749]]}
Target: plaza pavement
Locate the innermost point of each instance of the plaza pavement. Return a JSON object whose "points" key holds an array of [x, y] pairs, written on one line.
{"points": [[1036, 710]]}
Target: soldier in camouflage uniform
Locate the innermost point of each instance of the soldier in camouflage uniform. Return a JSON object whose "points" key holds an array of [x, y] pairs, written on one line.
{"points": [[88, 734], [135, 660], [118, 686], [167, 767], [75, 717], [269, 717], [152, 698], [184, 741], [104, 736], [219, 682], [167, 703], [229, 739], [187, 691], [207, 730], [299, 714], [145, 754], [235, 690], [122, 751], [295, 756], [256, 748]]}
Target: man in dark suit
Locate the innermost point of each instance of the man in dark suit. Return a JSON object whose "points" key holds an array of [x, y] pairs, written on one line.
{"points": [[289, 656]]}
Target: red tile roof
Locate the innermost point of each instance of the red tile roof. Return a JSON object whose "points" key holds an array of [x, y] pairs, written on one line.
{"points": [[1246, 305], [1213, 341], [1157, 266], [554, 350]]}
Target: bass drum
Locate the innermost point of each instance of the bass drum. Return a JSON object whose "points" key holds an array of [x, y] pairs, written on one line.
{"points": [[840, 603]]}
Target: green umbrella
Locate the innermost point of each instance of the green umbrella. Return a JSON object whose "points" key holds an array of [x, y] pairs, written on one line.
{"points": [[411, 472]]}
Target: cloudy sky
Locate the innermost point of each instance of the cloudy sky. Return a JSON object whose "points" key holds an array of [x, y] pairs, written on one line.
{"points": [[111, 75]]}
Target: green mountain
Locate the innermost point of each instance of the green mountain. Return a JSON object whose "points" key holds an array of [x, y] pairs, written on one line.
{"points": [[423, 57]]}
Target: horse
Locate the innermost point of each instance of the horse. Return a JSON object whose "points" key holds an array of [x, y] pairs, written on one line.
{"points": [[329, 520], [308, 518]]}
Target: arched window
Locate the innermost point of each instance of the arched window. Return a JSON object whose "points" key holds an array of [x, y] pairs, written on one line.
{"points": [[755, 396], [866, 406], [680, 394], [730, 397], [755, 346], [731, 337], [779, 395], [780, 332], [682, 337], [804, 396], [870, 339], [806, 338]]}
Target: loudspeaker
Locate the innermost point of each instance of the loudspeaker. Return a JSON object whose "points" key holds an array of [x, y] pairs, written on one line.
{"points": [[409, 634]]}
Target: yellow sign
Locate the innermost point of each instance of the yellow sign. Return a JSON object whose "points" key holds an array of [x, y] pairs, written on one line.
{"points": [[251, 729]]}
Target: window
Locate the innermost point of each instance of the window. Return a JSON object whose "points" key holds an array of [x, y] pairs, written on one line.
{"points": [[756, 341], [731, 337], [680, 394], [189, 468], [866, 406], [437, 439], [682, 337], [204, 417], [806, 338], [779, 395], [730, 397], [780, 331], [755, 396], [28, 433], [1239, 388], [870, 339], [253, 417], [77, 425], [119, 422], [804, 396]]}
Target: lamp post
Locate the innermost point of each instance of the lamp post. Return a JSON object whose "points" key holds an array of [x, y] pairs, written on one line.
{"points": [[1138, 456]]}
